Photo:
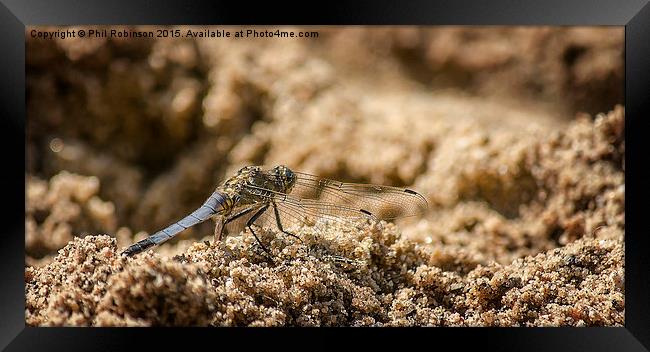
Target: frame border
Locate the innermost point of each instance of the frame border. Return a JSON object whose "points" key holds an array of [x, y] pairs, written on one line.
{"points": [[15, 15]]}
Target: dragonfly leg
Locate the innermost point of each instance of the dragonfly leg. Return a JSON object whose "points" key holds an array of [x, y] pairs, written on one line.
{"points": [[229, 219], [251, 221], [279, 223], [218, 228]]}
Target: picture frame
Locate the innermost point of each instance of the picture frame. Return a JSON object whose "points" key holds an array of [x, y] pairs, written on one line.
{"points": [[15, 15]]}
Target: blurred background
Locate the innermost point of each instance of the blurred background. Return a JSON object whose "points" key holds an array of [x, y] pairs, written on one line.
{"points": [[125, 136]]}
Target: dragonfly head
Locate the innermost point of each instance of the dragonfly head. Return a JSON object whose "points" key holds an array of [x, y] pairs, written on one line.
{"points": [[286, 176]]}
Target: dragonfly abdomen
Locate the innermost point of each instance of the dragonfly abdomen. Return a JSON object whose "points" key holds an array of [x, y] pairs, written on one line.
{"points": [[216, 203]]}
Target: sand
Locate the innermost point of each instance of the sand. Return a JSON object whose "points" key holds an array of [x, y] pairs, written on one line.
{"points": [[513, 135]]}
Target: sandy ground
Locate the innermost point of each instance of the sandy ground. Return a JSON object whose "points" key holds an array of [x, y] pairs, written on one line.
{"points": [[514, 135]]}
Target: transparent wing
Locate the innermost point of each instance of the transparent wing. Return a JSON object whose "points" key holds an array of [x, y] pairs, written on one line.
{"points": [[293, 212], [315, 197], [384, 202]]}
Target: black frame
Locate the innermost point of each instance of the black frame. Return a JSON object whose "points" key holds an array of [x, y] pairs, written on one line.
{"points": [[15, 15]]}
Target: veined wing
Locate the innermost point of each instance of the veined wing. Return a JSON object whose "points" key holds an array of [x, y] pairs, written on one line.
{"points": [[384, 202], [293, 211], [313, 197]]}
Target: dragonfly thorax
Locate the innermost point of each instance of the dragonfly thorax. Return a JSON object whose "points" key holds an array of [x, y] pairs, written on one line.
{"points": [[279, 179], [252, 184]]}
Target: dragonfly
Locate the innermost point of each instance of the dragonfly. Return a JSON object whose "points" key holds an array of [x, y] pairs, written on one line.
{"points": [[281, 198]]}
